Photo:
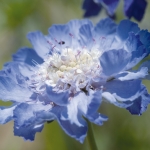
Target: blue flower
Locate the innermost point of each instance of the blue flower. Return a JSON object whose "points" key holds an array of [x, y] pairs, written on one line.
{"points": [[132, 8], [68, 74]]}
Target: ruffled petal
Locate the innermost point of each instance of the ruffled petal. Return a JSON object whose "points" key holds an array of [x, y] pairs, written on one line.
{"points": [[133, 42], [125, 27], [28, 133], [97, 118], [39, 42], [87, 105], [91, 8], [27, 56], [20, 72], [138, 50], [135, 8], [110, 5], [73, 129], [126, 75], [116, 59], [147, 65], [32, 116], [140, 104], [105, 27], [124, 90], [29, 119], [145, 38], [86, 36], [12, 91], [58, 97], [60, 36], [75, 25], [6, 114], [111, 99]]}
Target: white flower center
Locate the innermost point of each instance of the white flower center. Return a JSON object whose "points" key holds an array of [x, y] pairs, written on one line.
{"points": [[71, 67]]}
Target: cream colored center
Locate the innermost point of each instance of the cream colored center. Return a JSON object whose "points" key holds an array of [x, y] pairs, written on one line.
{"points": [[71, 66]]}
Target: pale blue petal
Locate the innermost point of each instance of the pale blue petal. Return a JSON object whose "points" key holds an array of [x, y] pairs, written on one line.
{"points": [[133, 42], [125, 27], [97, 118], [60, 36], [124, 90], [31, 117], [75, 130], [140, 104], [27, 56], [60, 98], [114, 61], [146, 64], [105, 27], [126, 75], [39, 42], [145, 38], [6, 114], [86, 36], [109, 97], [75, 25], [12, 91], [28, 133]]}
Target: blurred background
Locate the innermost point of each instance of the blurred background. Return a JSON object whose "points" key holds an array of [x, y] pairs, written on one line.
{"points": [[121, 132]]}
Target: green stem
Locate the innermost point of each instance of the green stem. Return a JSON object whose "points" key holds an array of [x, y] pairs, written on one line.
{"points": [[90, 136]]}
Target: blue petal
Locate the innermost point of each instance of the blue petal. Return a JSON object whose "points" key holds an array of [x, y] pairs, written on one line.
{"points": [[105, 27], [12, 70], [6, 114], [94, 100], [60, 35], [114, 61], [140, 104], [28, 56], [145, 38], [60, 97], [138, 46], [126, 75], [28, 133], [20, 72], [137, 56], [112, 99], [146, 64], [133, 42], [86, 36], [32, 116], [137, 49], [135, 8], [124, 90], [12, 91], [97, 118], [77, 131], [125, 27], [39, 42], [29, 119], [75, 25], [87, 105], [110, 5], [91, 8]]}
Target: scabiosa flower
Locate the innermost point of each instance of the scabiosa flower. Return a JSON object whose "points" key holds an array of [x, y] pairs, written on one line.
{"points": [[70, 71], [132, 8]]}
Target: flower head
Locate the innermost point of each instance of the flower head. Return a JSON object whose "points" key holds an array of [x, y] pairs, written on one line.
{"points": [[132, 8], [70, 71]]}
